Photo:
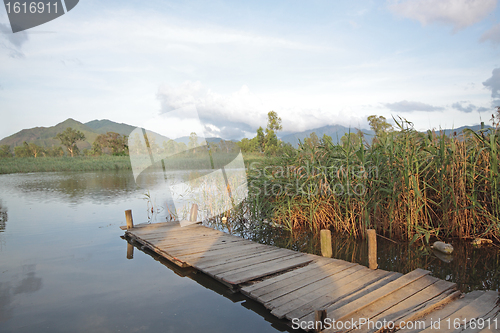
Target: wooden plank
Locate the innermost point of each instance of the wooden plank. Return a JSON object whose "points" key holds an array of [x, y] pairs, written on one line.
{"points": [[348, 309], [195, 242], [218, 261], [475, 309], [286, 303], [298, 281], [446, 310], [429, 306], [493, 325], [248, 290], [283, 289], [250, 263], [181, 251], [328, 296], [393, 299], [237, 249], [411, 303], [176, 261], [263, 270]]}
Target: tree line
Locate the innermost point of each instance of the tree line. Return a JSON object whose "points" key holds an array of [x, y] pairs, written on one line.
{"points": [[109, 143]]}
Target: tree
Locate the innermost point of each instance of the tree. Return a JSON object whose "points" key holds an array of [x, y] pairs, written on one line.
{"points": [[271, 139], [261, 139], [379, 125], [35, 150], [69, 138], [5, 151], [352, 139], [114, 142]]}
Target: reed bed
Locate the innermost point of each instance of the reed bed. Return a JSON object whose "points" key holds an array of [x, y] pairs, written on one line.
{"points": [[406, 185]]}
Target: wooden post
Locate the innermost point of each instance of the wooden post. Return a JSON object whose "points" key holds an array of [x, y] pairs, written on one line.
{"points": [[372, 248], [326, 243], [130, 221], [319, 320], [130, 251], [194, 213]]}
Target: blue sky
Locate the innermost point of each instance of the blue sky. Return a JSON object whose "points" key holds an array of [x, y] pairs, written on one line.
{"points": [[313, 62]]}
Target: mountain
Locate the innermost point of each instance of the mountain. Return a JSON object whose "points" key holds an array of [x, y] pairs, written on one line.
{"points": [[334, 131], [103, 126], [44, 136]]}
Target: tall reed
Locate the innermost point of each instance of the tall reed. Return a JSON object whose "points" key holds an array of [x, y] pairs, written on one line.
{"points": [[405, 184]]}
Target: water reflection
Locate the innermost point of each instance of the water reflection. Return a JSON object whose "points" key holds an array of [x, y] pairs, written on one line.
{"points": [[78, 188], [29, 284], [214, 285], [3, 216]]}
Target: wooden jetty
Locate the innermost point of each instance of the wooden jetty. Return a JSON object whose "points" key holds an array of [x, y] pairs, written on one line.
{"points": [[322, 294]]}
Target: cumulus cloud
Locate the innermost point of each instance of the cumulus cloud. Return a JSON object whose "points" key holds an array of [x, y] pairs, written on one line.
{"points": [[457, 13], [464, 106], [483, 109], [493, 83], [493, 35], [239, 114], [227, 116], [409, 106]]}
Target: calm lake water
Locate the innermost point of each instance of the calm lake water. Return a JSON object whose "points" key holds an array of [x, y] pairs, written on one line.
{"points": [[63, 265]]}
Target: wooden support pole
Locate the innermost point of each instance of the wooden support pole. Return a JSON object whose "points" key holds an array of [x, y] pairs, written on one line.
{"points": [[194, 213], [319, 320], [128, 217], [326, 243], [130, 251], [372, 249]]}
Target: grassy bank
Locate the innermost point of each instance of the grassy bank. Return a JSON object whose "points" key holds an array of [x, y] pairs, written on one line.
{"points": [[48, 164], [407, 185], [84, 163]]}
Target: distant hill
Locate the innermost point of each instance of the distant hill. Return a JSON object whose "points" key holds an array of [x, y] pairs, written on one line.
{"points": [[44, 136], [334, 131], [337, 131], [103, 126]]}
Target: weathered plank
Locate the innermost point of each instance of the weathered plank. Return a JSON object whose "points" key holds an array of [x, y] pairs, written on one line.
{"points": [[327, 297], [263, 270], [409, 304], [348, 309], [304, 271], [275, 290], [252, 263], [475, 309], [444, 311], [286, 303], [391, 300]]}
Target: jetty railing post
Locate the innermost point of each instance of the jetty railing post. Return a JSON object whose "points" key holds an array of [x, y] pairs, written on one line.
{"points": [[326, 243], [372, 249], [130, 251], [319, 320], [194, 213], [128, 217]]}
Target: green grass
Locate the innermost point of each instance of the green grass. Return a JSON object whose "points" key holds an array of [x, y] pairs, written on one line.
{"points": [[50, 164], [92, 163]]}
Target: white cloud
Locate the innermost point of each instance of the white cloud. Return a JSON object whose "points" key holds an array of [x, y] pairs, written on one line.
{"points": [[493, 35], [409, 106], [457, 13], [493, 83]]}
